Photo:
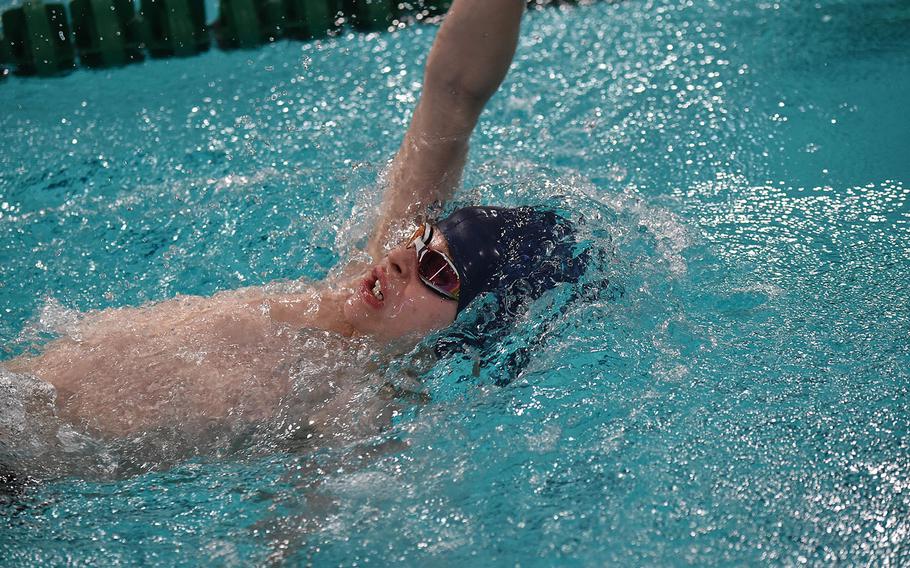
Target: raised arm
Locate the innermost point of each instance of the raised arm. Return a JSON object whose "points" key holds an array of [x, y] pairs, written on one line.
{"points": [[466, 65]]}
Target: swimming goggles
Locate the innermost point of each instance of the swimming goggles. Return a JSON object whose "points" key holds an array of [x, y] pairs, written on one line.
{"points": [[434, 268]]}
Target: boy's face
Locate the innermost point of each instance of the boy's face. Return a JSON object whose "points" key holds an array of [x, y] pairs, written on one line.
{"points": [[408, 307]]}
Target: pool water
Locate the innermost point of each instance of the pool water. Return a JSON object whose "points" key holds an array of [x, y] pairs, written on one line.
{"points": [[743, 400]]}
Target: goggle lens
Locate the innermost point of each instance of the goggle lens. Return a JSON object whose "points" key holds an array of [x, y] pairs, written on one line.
{"points": [[433, 267]]}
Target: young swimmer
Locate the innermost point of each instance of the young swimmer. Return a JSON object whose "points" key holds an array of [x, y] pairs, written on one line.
{"points": [[195, 360]]}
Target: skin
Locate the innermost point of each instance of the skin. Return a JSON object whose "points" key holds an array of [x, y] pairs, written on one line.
{"points": [[409, 307], [195, 360], [231, 354]]}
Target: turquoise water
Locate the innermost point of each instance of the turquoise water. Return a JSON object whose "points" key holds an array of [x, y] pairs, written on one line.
{"points": [[744, 401]]}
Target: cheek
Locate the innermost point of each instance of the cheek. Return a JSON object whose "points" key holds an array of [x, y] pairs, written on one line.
{"points": [[425, 313], [440, 314]]}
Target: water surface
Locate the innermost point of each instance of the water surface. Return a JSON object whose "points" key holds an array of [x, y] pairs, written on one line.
{"points": [[743, 401]]}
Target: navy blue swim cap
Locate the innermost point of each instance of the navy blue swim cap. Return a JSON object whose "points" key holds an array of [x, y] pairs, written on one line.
{"points": [[496, 249]]}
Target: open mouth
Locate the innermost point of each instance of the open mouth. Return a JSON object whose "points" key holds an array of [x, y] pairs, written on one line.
{"points": [[377, 290], [372, 289]]}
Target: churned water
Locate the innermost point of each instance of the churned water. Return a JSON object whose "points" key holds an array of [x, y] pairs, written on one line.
{"points": [[737, 395]]}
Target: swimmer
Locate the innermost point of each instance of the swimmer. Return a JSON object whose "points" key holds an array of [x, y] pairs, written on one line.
{"points": [[193, 360]]}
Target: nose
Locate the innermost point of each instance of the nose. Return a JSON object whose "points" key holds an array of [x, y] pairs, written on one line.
{"points": [[402, 262]]}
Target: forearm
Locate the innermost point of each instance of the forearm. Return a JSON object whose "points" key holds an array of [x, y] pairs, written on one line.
{"points": [[474, 48]]}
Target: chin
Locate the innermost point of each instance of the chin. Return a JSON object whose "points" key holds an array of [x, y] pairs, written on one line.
{"points": [[365, 321], [356, 314]]}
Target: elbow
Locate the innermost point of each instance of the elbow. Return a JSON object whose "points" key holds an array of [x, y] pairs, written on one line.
{"points": [[459, 87]]}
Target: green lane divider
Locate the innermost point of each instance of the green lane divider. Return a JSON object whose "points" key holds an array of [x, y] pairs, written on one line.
{"points": [[308, 19], [440, 7], [174, 27], [239, 25], [38, 39], [4, 58], [272, 15], [106, 32], [109, 32], [247, 23], [371, 15]]}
